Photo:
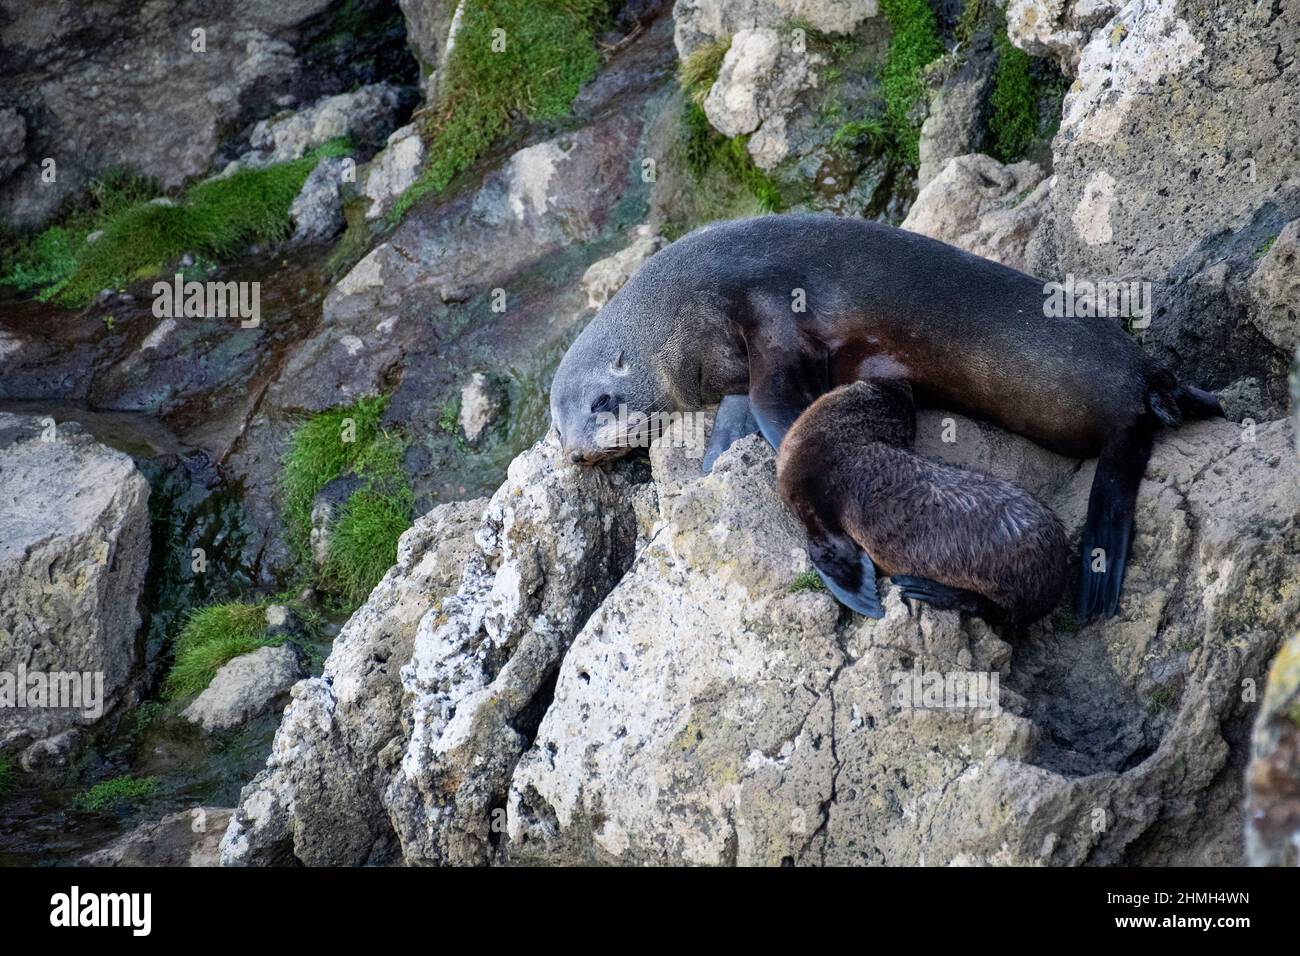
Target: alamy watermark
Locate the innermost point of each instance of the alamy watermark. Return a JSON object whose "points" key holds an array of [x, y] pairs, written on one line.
{"points": [[53, 690], [628, 428], [920, 689], [1108, 299], [208, 300]]}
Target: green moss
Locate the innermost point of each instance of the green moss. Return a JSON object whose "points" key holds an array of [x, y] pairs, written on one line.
{"points": [[709, 152], [807, 581], [363, 538], [212, 636], [6, 776], [968, 22], [1063, 620], [322, 449], [699, 71], [1264, 247], [855, 133], [363, 541], [215, 219], [1013, 119], [914, 44], [116, 793], [549, 52], [1161, 699]]}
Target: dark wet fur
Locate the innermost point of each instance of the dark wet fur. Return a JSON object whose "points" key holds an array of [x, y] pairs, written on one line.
{"points": [[946, 535]]}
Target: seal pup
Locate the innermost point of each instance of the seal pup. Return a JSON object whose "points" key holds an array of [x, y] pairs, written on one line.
{"points": [[784, 308], [956, 538]]}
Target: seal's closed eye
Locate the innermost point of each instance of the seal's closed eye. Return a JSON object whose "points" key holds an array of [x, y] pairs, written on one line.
{"points": [[606, 403]]}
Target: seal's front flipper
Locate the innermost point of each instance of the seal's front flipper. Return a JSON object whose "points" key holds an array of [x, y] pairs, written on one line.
{"points": [[786, 375], [1108, 530], [947, 597], [847, 571], [732, 423]]}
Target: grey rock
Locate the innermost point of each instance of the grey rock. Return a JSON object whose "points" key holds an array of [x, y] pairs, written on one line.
{"points": [[393, 171], [1274, 289], [319, 797], [119, 84], [554, 539], [325, 508], [606, 276], [188, 838], [244, 687], [760, 83], [317, 210], [366, 115], [983, 206], [956, 123], [483, 400], [707, 715], [1057, 28], [13, 134], [700, 21], [74, 548], [1273, 777], [1175, 152]]}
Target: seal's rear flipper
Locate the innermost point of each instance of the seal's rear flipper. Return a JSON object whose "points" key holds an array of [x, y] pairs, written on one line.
{"points": [[732, 423], [847, 571], [1108, 529], [1198, 403], [947, 597]]}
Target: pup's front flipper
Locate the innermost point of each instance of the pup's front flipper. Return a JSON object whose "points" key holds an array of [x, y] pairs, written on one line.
{"points": [[847, 571], [732, 423], [947, 597]]}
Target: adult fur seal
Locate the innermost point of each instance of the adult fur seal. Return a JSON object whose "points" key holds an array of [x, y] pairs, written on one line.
{"points": [[785, 308], [956, 538]]}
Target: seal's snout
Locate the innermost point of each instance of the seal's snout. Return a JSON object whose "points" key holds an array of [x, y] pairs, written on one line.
{"points": [[576, 457]]}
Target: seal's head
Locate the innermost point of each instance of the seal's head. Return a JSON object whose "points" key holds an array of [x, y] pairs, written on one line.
{"points": [[600, 385]]}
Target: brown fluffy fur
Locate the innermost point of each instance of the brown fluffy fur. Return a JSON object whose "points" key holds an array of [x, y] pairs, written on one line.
{"points": [[847, 456]]}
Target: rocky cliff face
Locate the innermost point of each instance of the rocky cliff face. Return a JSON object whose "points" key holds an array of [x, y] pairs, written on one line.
{"points": [[1174, 164], [707, 712], [160, 89]]}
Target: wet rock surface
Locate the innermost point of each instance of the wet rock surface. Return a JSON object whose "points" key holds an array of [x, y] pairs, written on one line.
{"points": [[148, 92]]}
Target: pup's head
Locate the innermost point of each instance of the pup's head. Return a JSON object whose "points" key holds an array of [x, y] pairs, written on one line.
{"points": [[882, 409]]}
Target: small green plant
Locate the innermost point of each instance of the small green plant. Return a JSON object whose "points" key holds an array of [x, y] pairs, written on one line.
{"points": [[1161, 698], [968, 22], [511, 57], [807, 581], [707, 151], [6, 776], [212, 636], [145, 715], [216, 218], [914, 44], [363, 536], [855, 133], [322, 449], [363, 541], [1013, 122], [449, 415], [116, 793], [1264, 247], [699, 71]]}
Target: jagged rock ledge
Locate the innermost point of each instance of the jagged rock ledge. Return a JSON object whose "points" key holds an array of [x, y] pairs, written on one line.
{"points": [[597, 667]]}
